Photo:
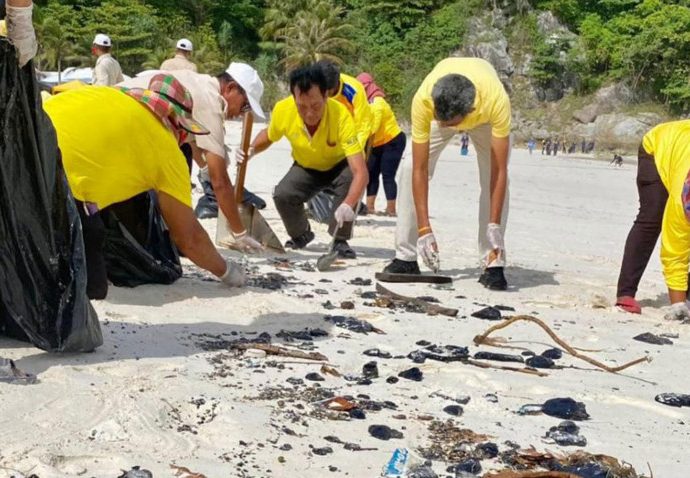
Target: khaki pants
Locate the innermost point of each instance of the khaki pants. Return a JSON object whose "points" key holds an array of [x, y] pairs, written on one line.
{"points": [[406, 230]]}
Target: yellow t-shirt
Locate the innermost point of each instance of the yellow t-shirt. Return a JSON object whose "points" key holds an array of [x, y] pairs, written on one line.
{"points": [[491, 105], [353, 96], [114, 148], [668, 143], [333, 141], [384, 125]]}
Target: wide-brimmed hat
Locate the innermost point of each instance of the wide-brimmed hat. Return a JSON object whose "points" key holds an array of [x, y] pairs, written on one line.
{"points": [[170, 101], [248, 78]]}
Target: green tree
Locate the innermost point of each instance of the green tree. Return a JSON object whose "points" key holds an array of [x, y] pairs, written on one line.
{"points": [[56, 31]]}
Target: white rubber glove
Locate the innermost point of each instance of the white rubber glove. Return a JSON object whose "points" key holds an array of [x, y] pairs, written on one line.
{"points": [[247, 243], [234, 275], [241, 156], [428, 249], [344, 214], [495, 236], [678, 311], [20, 31]]}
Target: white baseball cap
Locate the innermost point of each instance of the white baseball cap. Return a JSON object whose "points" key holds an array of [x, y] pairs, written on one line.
{"points": [[248, 78], [102, 40], [185, 44]]}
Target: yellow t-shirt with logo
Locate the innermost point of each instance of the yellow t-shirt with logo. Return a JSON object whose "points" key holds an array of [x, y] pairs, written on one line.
{"points": [[334, 139], [491, 105], [353, 96], [114, 148], [384, 125], [669, 144]]}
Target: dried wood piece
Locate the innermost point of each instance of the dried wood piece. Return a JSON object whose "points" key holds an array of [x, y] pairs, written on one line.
{"points": [[530, 474], [283, 351], [483, 339], [427, 307], [528, 371]]}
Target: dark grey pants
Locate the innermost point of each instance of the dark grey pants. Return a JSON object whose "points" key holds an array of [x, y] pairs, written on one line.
{"points": [[301, 184]]}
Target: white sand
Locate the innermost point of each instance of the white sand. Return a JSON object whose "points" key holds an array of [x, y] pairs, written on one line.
{"points": [[94, 414]]}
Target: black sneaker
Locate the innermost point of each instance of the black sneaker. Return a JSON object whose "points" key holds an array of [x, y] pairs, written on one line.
{"points": [[344, 250], [493, 278], [402, 267], [301, 241]]}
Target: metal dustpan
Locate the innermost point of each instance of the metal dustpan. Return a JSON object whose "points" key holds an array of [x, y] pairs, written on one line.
{"points": [[253, 221]]}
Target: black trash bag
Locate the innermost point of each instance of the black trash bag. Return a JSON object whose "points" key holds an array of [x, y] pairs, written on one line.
{"points": [[42, 264], [321, 206], [138, 248]]}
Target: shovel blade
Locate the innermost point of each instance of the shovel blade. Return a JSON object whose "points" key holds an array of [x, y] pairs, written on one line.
{"points": [[324, 262], [256, 226]]}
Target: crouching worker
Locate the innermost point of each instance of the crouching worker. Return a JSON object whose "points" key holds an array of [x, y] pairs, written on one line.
{"points": [[663, 184], [326, 153], [116, 144]]}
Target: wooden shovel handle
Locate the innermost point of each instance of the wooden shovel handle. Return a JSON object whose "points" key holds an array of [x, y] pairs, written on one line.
{"points": [[247, 123]]}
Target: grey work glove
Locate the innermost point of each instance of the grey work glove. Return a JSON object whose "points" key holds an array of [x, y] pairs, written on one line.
{"points": [[20, 31], [428, 249], [247, 243], [234, 275], [678, 311]]}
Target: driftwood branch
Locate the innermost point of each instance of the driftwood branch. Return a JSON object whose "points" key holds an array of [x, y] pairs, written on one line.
{"points": [[483, 339], [427, 307], [528, 371], [283, 351], [530, 474]]}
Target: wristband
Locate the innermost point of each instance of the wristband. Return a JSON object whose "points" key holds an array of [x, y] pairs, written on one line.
{"points": [[423, 230]]}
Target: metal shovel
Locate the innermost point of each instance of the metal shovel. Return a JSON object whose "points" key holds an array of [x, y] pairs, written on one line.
{"points": [[253, 221]]}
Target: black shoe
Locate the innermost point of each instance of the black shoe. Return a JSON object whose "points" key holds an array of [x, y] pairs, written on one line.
{"points": [[402, 267], [493, 278], [301, 241], [344, 250], [253, 199]]}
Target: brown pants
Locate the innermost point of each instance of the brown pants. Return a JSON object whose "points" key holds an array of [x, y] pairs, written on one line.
{"points": [[647, 226]]}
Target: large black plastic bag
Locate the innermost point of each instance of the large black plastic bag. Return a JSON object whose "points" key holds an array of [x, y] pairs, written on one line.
{"points": [[138, 248], [42, 264], [321, 206]]}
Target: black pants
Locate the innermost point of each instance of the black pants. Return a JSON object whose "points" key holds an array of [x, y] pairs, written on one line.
{"points": [[301, 184], [93, 231], [647, 226], [384, 161]]}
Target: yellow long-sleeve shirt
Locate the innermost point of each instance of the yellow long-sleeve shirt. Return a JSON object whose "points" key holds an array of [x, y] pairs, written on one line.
{"points": [[669, 144], [384, 125], [354, 97]]}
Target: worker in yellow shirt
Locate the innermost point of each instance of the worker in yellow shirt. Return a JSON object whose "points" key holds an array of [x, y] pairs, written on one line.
{"points": [[326, 152], [460, 94], [388, 146], [116, 144], [663, 185]]}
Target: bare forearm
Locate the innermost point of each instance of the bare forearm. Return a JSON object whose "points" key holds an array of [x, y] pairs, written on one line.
{"points": [[261, 142], [420, 182], [201, 251], [354, 195], [19, 3], [500, 148], [677, 295]]}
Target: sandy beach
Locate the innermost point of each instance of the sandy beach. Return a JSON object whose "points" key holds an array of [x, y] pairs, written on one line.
{"points": [[165, 390]]}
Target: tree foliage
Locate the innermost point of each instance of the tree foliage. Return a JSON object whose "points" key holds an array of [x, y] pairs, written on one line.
{"points": [[643, 42]]}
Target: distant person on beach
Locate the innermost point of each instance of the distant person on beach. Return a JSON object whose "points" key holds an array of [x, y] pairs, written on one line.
{"points": [[181, 60], [617, 160], [590, 147], [663, 185], [388, 145], [326, 153], [573, 148], [531, 144], [134, 148], [556, 146], [107, 71], [464, 144], [584, 146], [459, 94], [549, 145], [216, 99]]}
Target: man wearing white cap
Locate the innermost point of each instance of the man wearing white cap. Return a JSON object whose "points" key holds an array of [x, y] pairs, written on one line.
{"points": [[216, 99], [181, 59], [107, 71]]}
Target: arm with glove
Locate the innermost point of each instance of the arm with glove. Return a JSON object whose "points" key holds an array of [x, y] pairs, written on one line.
{"points": [[20, 29]]}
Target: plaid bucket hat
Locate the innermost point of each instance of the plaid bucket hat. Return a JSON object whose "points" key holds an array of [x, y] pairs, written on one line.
{"points": [[168, 99]]}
